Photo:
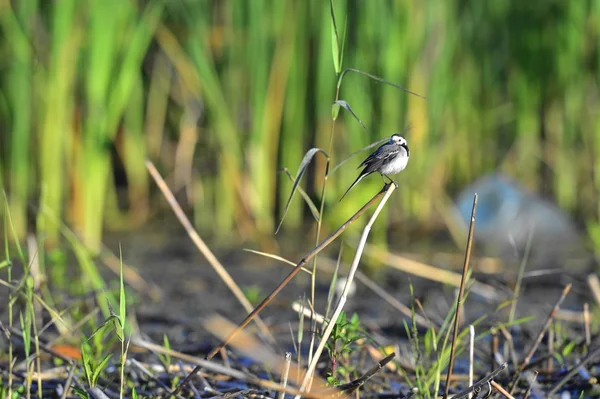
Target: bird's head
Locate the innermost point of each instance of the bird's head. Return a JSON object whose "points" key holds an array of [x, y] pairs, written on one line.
{"points": [[398, 140]]}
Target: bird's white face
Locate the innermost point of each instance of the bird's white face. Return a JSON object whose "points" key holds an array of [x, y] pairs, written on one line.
{"points": [[397, 139]]}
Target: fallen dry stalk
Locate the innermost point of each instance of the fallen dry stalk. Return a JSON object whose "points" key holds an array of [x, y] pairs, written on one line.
{"points": [[389, 189], [251, 347], [326, 265], [428, 272], [589, 357], [254, 313], [461, 292], [354, 385], [203, 248], [502, 391]]}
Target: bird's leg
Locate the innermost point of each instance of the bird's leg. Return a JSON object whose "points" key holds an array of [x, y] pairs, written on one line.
{"points": [[392, 181]]}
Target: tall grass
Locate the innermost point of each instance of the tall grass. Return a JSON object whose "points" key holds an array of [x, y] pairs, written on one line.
{"points": [[225, 93]]}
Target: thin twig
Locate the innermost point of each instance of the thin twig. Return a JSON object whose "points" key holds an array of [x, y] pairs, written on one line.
{"points": [[538, 340], [574, 371], [389, 189], [148, 373], [203, 248], [513, 305], [550, 363], [295, 271], [528, 392], [461, 292], [354, 385]]}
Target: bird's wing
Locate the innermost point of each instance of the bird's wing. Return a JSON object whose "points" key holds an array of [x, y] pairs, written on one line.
{"points": [[383, 153]]}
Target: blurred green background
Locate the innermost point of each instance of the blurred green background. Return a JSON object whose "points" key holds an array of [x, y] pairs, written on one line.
{"points": [[222, 94]]}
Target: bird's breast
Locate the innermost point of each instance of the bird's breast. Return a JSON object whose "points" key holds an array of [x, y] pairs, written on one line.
{"points": [[397, 165]]}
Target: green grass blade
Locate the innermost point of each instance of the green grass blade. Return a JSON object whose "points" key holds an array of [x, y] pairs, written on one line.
{"points": [[311, 205], [347, 107], [335, 41], [378, 79], [303, 165]]}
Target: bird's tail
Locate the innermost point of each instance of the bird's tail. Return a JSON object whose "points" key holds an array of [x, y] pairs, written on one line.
{"points": [[359, 178]]}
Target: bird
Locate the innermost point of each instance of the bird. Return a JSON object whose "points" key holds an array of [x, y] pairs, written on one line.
{"points": [[389, 159]]}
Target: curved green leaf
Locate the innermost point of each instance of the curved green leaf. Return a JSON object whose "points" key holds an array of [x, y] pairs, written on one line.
{"points": [[305, 161], [347, 107], [378, 79], [335, 41], [309, 202]]}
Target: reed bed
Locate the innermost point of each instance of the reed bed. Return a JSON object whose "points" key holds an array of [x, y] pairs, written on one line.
{"points": [[223, 94]]}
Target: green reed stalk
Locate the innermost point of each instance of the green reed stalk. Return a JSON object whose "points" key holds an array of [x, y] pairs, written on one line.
{"points": [[18, 24], [56, 113]]}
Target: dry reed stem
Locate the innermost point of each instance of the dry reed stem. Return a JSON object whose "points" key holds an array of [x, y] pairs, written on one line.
{"points": [[471, 355], [511, 346], [298, 307], [459, 299], [538, 340], [586, 324], [286, 372], [502, 391], [493, 348], [513, 305], [203, 248], [389, 189], [295, 271], [594, 283], [67, 385]]}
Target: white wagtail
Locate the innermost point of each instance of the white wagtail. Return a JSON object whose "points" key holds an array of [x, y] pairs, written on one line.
{"points": [[389, 159]]}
